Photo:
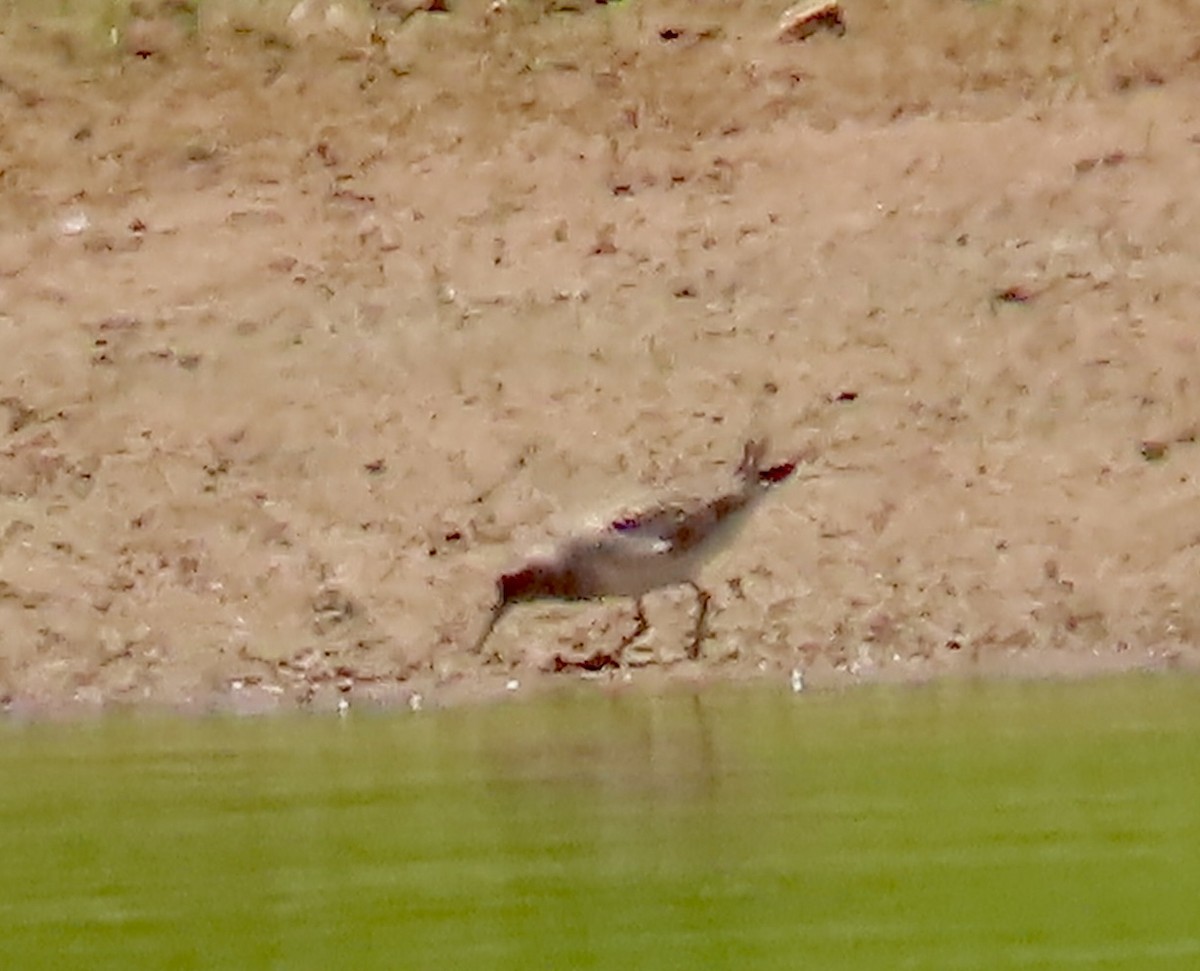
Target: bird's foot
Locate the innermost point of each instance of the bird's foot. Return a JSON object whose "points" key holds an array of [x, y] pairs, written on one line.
{"points": [[641, 625], [700, 628]]}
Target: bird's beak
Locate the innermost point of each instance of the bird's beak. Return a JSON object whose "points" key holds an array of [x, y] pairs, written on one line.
{"points": [[498, 610]]}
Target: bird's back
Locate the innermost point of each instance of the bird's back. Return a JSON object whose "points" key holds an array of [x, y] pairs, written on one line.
{"points": [[667, 544]]}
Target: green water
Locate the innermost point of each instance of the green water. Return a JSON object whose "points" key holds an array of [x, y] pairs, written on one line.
{"points": [[1005, 826]]}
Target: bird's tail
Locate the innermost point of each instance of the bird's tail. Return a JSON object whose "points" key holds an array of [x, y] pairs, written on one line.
{"points": [[752, 457]]}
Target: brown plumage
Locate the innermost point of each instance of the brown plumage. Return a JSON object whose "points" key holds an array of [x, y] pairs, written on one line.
{"points": [[658, 547]]}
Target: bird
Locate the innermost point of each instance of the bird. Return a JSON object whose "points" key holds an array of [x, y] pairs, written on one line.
{"points": [[661, 546]]}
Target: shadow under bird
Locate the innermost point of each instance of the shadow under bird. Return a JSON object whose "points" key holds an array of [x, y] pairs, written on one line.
{"points": [[662, 546]]}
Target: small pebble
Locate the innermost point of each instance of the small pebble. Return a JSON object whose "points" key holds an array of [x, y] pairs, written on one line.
{"points": [[74, 224], [1154, 451]]}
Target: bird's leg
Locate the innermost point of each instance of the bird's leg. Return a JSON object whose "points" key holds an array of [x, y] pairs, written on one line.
{"points": [[497, 612], [639, 629], [700, 630]]}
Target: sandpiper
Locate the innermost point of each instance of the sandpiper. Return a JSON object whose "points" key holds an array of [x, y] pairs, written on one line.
{"points": [[661, 546]]}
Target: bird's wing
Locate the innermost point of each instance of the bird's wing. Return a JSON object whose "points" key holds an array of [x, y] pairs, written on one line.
{"points": [[656, 530]]}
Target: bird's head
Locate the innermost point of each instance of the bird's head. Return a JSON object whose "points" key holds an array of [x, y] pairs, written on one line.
{"points": [[535, 580]]}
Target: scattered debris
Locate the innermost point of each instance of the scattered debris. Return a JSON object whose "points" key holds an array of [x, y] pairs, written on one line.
{"points": [[311, 19], [403, 9], [150, 33], [1108, 160], [1014, 294], [807, 17], [605, 244], [74, 224], [599, 660], [1153, 450], [332, 607], [671, 34], [19, 413]]}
